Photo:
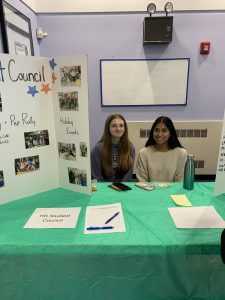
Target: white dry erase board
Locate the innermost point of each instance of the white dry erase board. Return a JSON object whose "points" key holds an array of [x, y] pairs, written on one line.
{"points": [[136, 82]]}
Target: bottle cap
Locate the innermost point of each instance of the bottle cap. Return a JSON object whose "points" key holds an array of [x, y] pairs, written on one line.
{"points": [[190, 156]]}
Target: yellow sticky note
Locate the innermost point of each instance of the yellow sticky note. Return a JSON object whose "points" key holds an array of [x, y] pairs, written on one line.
{"points": [[181, 200]]}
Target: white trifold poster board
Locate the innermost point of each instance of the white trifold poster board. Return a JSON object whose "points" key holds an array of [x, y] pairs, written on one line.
{"points": [[44, 125], [220, 174]]}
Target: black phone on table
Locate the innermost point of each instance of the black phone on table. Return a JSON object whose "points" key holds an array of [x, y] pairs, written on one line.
{"points": [[119, 186]]}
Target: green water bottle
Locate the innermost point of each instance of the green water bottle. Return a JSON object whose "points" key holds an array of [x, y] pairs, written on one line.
{"points": [[189, 173]]}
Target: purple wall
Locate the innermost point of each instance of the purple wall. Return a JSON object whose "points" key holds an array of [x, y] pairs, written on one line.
{"points": [[120, 36]]}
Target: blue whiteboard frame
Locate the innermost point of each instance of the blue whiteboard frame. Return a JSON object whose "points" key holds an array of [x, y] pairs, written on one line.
{"points": [[110, 71]]}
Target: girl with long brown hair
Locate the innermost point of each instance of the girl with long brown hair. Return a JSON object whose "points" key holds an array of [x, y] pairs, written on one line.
{"points": [[112, 158], [163, 157]]}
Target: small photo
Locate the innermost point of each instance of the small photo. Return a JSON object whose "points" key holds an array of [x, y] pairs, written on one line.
{"points": [[36, 138], [27, 164], [70, 76], [2, 181], [78, 177], [68, 101], [67, 151], [0, 102], [83, 149]]}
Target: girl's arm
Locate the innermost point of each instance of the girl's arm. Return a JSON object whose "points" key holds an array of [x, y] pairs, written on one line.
{"points": [[96, 166], [129, 175], [142, 168]]}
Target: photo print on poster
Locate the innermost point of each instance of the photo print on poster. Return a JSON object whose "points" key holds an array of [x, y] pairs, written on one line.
{"points": [[70, 76], [37, 138], [67, 151], [68, 101], [27, 164], [2, 181], [78, 177], [83, 149]]}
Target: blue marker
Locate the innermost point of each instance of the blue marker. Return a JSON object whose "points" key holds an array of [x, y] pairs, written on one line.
{"points": [[99, 228], [110, 219]]}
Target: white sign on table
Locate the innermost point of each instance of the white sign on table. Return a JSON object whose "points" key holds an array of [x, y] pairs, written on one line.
{"points": [[54, 218]]}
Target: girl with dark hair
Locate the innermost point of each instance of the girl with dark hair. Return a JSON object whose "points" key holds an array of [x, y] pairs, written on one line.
{"points": [[163, 158], [112, 158]]}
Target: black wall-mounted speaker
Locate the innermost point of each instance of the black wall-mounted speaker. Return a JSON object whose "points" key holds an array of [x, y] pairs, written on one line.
{"points": [[157, 30]]}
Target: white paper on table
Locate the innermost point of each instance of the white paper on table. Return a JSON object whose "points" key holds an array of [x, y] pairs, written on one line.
{"points": [[54, 218], [96, 216], [196, 217]]}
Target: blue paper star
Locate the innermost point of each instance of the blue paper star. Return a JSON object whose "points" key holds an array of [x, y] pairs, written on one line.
{"points": [[52, 64], [32, 90]]}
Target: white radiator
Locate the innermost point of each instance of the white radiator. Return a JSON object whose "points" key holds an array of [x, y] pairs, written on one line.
{"points": [[201, 138]]}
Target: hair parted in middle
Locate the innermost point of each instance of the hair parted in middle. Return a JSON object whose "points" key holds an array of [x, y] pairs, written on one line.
{"points": [[125, 159], [173, 141]]}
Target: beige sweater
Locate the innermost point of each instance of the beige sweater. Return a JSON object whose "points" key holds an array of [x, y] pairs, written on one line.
{"points": [[153, 165]]}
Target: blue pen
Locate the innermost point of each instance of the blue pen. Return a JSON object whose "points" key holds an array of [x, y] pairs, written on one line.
{"points": [[110, 219], [99, 228]]}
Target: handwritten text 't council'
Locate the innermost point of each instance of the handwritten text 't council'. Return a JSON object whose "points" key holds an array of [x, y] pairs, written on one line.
{"points": [[15, 76]]}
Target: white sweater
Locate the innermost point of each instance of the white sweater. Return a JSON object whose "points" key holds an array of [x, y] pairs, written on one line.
{"points": [[153, 165]]}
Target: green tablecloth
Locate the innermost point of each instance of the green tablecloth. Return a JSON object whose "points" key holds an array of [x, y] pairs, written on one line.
{"points": [[151, 260]]}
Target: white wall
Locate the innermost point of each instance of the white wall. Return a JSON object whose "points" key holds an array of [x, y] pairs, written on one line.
{"points": [[120, 36], [30, 3], [46, 6]]}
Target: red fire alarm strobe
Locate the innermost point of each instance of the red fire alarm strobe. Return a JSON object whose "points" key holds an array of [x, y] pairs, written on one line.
{"points": [[204, 48]]}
